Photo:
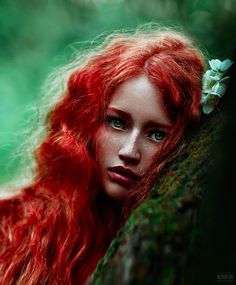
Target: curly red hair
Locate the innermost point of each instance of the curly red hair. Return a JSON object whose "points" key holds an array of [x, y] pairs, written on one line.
{"points": [[58, 227]]}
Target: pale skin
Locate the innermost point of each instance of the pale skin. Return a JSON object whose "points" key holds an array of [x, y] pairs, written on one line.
{"points": [[134, 128]]}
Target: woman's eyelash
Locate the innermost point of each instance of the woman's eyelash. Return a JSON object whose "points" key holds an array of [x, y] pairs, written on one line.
{"points": [[116, 122], [157, 135]]}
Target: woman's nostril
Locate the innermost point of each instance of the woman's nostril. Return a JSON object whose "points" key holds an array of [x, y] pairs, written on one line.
{"points": [[129, 154]]}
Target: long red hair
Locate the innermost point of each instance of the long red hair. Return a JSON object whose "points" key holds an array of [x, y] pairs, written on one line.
{"points": [[56, 229]]}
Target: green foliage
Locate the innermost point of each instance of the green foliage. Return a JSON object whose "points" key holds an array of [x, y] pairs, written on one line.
{"points": [[37, 36]]}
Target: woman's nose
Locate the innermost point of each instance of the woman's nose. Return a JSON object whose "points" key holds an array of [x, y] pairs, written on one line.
{"points": [[129, 151]]}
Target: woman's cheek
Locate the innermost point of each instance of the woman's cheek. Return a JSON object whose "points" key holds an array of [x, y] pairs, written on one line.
{"points": [[149, 151], [107, 143]]}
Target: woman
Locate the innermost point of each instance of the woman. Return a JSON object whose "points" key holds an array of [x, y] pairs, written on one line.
{"points": [[123, 114]]}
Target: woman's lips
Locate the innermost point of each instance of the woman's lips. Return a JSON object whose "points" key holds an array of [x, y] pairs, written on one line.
{"points": [[122, 176], [121, 179]]}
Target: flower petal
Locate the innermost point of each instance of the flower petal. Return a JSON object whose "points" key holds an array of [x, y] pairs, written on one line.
{"points": [[215, 64], [207, 109], [212, 99], [219, 88], [226, 64]]}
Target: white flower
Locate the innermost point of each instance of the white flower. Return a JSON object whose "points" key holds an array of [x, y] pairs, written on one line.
{"points": [[221, 66], [214, 84]]}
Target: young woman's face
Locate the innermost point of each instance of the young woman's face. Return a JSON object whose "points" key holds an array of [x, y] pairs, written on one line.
{"points": [[133, 130]]}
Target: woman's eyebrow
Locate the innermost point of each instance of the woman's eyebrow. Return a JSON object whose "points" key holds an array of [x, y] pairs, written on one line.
{"points": [[149, 124], [120, 112], [154, 124]]}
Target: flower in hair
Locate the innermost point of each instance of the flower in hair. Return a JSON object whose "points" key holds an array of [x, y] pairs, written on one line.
{"points": [[214, 84]]}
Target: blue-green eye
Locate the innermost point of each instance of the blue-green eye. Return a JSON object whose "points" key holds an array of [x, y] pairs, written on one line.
{"points": [[115, 122], [157, 135]]}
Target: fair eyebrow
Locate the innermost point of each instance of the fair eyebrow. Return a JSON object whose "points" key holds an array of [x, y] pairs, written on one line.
{"points": [[149, 124]]}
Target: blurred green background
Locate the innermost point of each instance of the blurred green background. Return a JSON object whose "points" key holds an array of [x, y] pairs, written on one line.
{"points": [[38, 35]]}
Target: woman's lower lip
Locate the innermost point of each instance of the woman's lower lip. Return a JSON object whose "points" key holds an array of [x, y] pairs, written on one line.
{"points": [[121, 179]]}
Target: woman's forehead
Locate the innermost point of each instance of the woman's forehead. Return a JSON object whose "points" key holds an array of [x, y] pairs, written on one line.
{"points": [[139, 97]]}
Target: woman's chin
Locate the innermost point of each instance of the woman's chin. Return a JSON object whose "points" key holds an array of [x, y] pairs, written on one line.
{"points": [[116, 191]]}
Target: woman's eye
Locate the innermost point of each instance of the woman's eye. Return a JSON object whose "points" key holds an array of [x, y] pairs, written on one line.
{"points": [[157, 135], [116, 122]]}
